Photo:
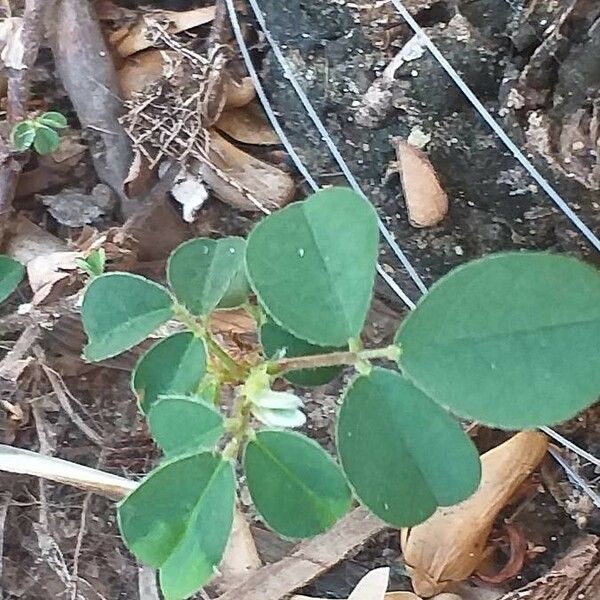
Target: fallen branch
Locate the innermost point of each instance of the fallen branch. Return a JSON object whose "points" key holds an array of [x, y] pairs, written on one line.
{"points": [[309, 560], [25, 462]]}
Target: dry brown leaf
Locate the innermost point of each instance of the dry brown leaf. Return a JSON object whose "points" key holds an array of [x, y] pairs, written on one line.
{"points": [[372, 586], [46, 271], [449, 546], [141, 70], [141, 35], [236, 322], [242, 180], [241, 556], [426, 201], [247, 125], [238, 94]]}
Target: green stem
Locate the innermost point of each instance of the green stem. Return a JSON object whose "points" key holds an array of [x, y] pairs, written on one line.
{"points": [[232, 367], [333, 359], [226, 359]]}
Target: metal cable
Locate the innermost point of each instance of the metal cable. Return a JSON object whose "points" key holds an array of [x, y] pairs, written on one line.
{"points": [[283, 136], [291, 77], [285, 140], [495, 126]]}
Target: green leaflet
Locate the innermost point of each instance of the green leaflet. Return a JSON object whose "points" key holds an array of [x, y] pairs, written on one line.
{"points": [[182, 425], [403, 455], [179, 519], [312, 266], [295, 485], [119, 311], [11, 274], [511, 340], [174, 365]]}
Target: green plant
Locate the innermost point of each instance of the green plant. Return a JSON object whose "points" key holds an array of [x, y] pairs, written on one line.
{"points": [[40, 132], [94, 263], [510, 340], [11, 274]]}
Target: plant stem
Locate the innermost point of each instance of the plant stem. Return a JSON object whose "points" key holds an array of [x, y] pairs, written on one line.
{"points": [[232, 367], [226, 359], [333, 359]]}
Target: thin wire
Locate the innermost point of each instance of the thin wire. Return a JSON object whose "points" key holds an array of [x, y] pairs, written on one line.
{"points": [[496, 128], [289, 74], [239, 36], [575, 477], [571, 446], [285, 140]]}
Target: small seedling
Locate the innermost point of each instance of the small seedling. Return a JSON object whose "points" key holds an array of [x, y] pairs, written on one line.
{"points": [[510, 340], [41, 133], [94, 264], [11, 274]]}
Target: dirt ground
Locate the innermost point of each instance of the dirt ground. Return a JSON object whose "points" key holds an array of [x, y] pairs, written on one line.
{"points": [[59, 542]]}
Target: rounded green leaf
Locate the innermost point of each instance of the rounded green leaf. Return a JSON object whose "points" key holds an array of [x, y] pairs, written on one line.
{"points": [[276, 340], [53, 119], [179, 519], [295, 485], [119, 311], [22, 135], [511, 340], [11, 274], [312, 265], [46, 140], [403, 454], [238, 290], [174, 365], [182, 425], [201, 271]]}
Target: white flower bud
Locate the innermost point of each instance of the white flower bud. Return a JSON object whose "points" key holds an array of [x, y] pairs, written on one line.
{"points": [[289, 418]]}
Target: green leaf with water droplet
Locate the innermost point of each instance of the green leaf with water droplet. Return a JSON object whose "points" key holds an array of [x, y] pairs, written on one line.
{"points": [[204, 272], [312, 265], [511, 340]]}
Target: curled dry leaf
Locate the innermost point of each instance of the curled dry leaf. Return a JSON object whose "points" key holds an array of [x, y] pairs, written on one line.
{"points": [[242, 180], [247, 125], [46, 271], [426, 201], [142, 34], [238, 94], [449, 546], [141, 70], [241, 556]]}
